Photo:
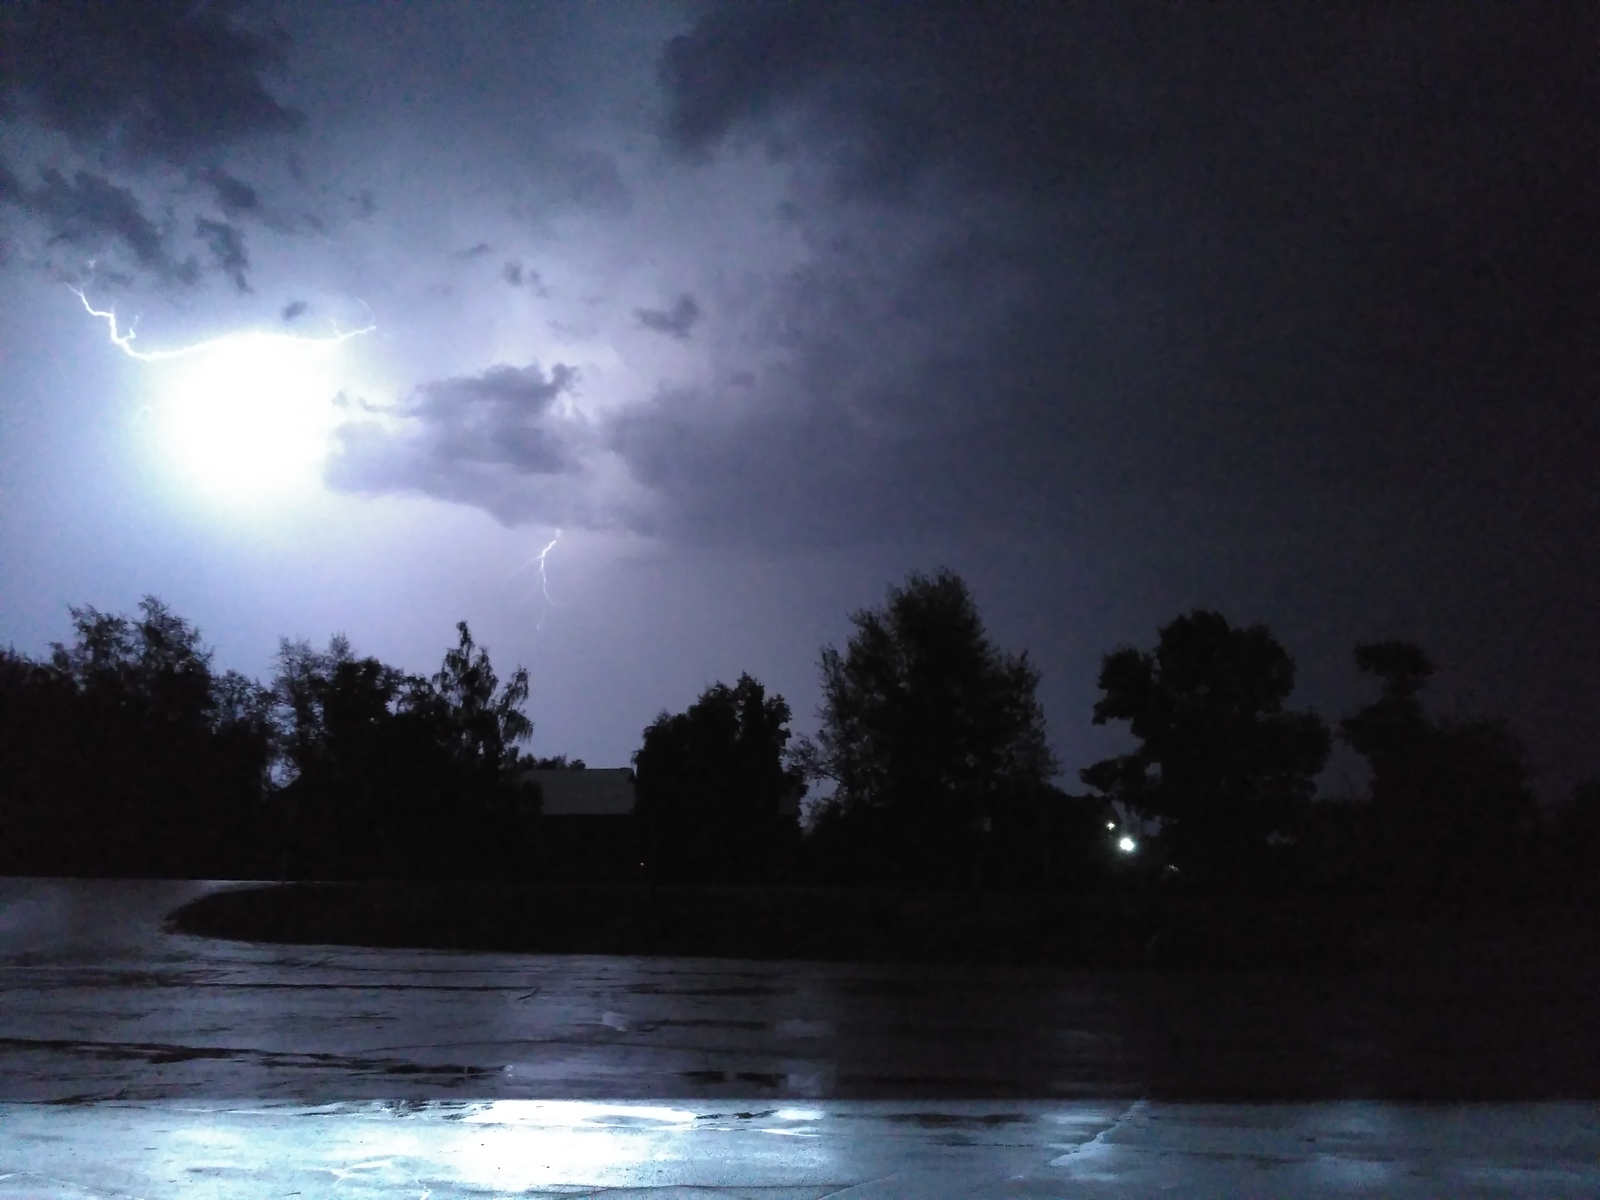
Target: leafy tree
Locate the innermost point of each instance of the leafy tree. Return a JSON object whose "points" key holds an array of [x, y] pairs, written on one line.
{"points": [[933, 738], [1220, 763], [344, 748], [557, 762], [396, 775], [125, 754], [710, 784], [481, 719], [1389, 730], [1575, 841], [1452, 797]]}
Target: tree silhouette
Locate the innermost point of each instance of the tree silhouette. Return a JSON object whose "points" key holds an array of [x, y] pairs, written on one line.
{"points": [[125, 754], [933, 738], [395, 775], [710, 784], [1452, 797], [483, 720], [1575, 842], [1220, 763], [1392, 728], [555, 762]]}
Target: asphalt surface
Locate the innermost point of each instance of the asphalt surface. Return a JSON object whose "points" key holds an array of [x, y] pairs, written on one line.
{"points": [[139, 1062], [834, 1149]]}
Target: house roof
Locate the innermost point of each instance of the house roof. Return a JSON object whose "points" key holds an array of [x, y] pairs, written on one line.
{"points": [[591, 792]]}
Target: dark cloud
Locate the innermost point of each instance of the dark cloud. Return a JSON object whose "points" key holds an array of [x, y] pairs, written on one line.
{"points": [[472, 252], [1256, 248], [492, 440], [741, 61], [226, 244], [91, 213], [138, 89], [676, 321], [163, 80], [592, 182], [764, 477], [1045, 97], [517, 275], [294, 310], [237, 197], [1300, 301]]}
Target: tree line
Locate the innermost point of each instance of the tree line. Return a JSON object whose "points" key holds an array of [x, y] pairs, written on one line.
{"points": [[127, 753], [932, 747]]}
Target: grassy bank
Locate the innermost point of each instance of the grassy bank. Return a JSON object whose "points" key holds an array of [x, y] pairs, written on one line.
{"points": [[1089, 931]]}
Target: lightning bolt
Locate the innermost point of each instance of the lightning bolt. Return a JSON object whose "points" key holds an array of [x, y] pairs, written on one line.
{"points": [[544, 580], [250, 411], [124, 341]]}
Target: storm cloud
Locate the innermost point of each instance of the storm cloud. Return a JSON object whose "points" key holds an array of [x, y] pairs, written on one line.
{"points": [[677, 321], [236, 197], [129, 109], [518, 276], [227, 248], [1289, 310], [159, 80], [1131, 248], [495, 441], [91, 213]]}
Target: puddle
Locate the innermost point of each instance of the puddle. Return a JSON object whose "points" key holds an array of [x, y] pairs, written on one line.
{"points": [[944, 1120]]}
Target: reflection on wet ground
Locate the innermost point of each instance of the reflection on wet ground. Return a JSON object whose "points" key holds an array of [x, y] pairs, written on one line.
{"points": [[164, 1064], [865, 1150], [98, 999]]}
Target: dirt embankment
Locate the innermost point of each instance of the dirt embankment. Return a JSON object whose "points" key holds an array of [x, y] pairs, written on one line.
{"points": [[1298, 932]]}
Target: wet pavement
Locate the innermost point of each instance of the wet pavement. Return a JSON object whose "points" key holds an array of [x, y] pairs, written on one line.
{"points": [[134, 1061], [835, 1149], [98, 1002]]}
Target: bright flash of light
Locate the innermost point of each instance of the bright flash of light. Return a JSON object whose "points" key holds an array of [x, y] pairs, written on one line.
{"points": [[244, 414], [544, 580], [1127, 845]]}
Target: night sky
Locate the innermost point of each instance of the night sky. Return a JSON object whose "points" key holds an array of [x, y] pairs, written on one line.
{"points": [[1116, 309]]}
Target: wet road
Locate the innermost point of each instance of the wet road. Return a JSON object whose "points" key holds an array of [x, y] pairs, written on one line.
{"points": [[864, 1150], [97, 1002], [150, 1063]]}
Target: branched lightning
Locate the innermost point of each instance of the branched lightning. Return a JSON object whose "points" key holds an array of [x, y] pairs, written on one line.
{"points": [[124, 341], [544, 580], [246, 411]]}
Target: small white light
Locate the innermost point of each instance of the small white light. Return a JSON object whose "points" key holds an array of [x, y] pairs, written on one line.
{"points": [[1111, 824], [1127, 845]]}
